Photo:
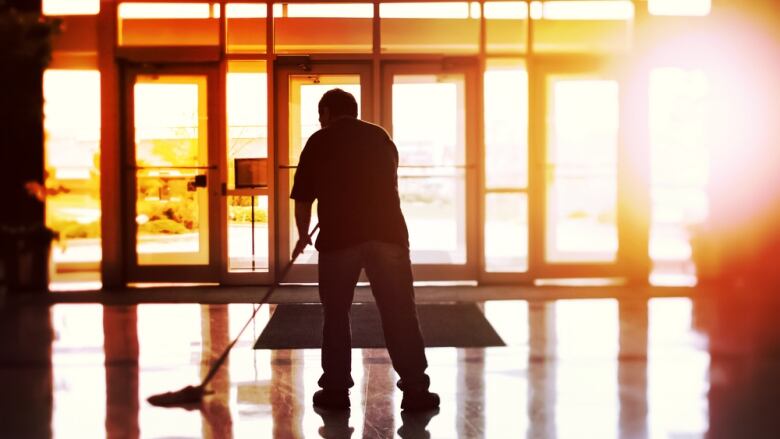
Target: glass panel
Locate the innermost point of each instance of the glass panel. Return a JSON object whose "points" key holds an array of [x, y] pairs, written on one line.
{"points": [[247, 245], [582, 137], [245, 24], [679, 7], [506, 232], [72, 126], [171, 141], [305, 94], [679, 169], [71, 7], [431, 144], [247, 113], [589, 26], [446, 27], [168, 24], [506, 27], [338, 27], [506, 125]]}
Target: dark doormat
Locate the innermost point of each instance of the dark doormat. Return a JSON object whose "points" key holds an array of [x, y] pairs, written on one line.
{"points": [[299, 326]]}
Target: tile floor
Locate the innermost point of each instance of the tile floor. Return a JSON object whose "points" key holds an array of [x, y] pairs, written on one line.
{"points": [[591, 368]]}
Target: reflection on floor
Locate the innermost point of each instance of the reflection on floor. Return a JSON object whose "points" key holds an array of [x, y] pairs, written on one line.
{"points": [[593, 368]]}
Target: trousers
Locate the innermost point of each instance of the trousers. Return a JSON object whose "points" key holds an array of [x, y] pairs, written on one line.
{"points": [[389, 271]]}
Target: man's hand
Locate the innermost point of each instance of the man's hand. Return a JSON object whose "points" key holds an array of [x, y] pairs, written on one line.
{"points": [[302, 219], [300, 246]]}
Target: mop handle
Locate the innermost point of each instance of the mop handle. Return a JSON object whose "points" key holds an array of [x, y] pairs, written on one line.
{"points": [[217, 364]]}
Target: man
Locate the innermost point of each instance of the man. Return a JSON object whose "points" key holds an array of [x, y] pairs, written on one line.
{"points": [[350, 167]]}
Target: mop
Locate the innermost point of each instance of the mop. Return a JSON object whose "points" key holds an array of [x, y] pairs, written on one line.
{"points": [[192, 395]]}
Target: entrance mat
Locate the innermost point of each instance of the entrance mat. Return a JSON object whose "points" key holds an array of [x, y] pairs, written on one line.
{"points": [[299, 326]]}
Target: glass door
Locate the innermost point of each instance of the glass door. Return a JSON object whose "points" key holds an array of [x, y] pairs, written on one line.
{"points": [[172, 176], [299, 89], [575, 216], [430, 110]]}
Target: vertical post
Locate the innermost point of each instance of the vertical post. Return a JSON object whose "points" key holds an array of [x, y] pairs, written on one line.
{"points": [[634, 208], [111, 158]]}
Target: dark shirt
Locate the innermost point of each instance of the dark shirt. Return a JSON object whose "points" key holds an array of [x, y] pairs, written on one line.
{"points": [[351, 167]]}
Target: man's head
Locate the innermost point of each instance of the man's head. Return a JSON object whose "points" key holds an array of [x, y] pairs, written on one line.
{"points": [[336, 103]]}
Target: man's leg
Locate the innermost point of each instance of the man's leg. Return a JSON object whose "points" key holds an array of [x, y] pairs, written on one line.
{"points": [[338, 274], [389, 270]]}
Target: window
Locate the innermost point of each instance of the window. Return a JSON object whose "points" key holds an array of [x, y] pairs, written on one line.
{"points": [[506, 26], [71, 7], [447, 27], [246, 27], [582, 26], [506, 166], [168, 24], [72, 148], [333, 27], [247, 118]]}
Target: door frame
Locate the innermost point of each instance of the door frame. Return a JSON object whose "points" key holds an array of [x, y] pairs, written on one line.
{"points": [[171, 273], [283, 69], [469, 67], [538, 72]]}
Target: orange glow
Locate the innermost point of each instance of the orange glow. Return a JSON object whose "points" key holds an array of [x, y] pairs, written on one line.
{"points": [[71, 7], [680, 7]]}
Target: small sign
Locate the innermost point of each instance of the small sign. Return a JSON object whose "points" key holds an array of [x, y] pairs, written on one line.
{"points": [[251, 172]]}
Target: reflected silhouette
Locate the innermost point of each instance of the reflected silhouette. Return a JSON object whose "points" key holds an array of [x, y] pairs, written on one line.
{"points": [[26, 376], [745, 358], [378, 382], [336, 423], [286, 393], [120, 344], [632, 368], [215, 409], [415, 424], [541, 370], [471, 392]]}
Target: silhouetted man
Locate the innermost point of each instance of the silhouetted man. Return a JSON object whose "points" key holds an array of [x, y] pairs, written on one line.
{"points": [[350, 167]]}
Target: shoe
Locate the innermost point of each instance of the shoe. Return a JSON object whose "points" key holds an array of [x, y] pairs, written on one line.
{"points": [[418, 401], [331, 399]]}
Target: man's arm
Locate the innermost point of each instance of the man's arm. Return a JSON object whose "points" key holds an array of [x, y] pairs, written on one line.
{"points": [[302, 221]]}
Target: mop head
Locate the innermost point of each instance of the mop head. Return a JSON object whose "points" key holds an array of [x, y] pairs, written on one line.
{"points": [[188, 396]]}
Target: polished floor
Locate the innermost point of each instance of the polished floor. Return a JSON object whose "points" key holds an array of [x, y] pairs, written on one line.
{"points": [[590, 368]]}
